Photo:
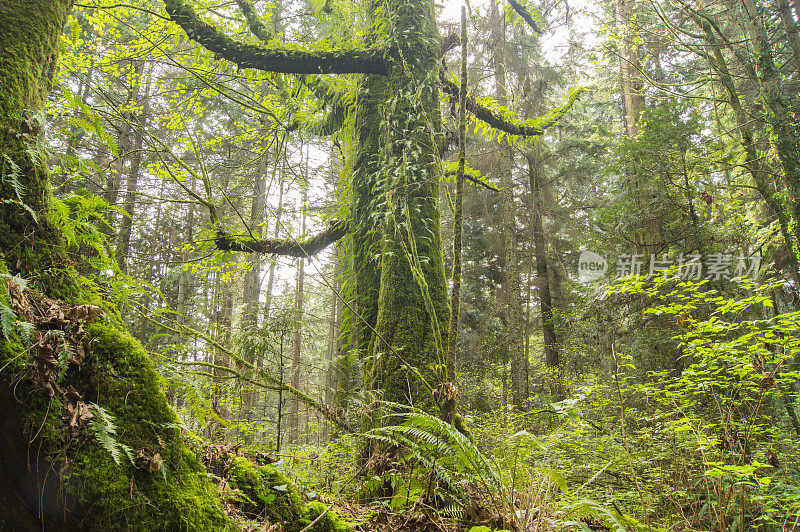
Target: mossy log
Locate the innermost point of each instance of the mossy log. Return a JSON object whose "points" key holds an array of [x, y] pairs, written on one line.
{"points": [[273, 497]]}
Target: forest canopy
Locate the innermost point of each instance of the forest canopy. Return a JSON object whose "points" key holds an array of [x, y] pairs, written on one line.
{"points": [[371, 265]]}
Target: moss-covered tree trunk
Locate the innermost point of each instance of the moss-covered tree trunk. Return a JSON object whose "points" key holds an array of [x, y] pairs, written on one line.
{"points": [[62, 466], [29, 42], [779, 101], [396, 179]]}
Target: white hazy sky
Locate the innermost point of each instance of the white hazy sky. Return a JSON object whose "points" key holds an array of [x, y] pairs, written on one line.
{"points": [[553, 40]]}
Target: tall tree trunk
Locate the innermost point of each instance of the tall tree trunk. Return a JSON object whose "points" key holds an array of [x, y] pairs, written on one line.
{"points": [[137, 130], [85, 487], [512, 296], [223, 321], [790, 25], [332, 351], [151, 268], [184, 297], [297, 340], [629, 67], [447, 399], [126, 132], [552, 355], [753, 163], [411, 312]]}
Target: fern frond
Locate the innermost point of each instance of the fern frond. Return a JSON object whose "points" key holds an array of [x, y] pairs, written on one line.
{"points": [[7, 321], [609, 517], [105, 433]]}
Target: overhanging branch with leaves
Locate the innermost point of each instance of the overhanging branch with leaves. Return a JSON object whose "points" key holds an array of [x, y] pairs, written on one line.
{"points": [[511, 126]]}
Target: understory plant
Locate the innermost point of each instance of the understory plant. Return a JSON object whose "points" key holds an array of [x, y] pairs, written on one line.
{"points": [[721, 427]]}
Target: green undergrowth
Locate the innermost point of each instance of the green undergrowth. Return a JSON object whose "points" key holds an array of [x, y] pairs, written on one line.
{"points": [[270, 495]]}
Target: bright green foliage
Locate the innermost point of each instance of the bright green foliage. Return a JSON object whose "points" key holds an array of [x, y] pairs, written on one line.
{"points": [[609, 517], [79, 215], [719, 415]]}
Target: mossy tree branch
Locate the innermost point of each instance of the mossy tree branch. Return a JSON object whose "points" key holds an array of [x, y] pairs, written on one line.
{"points": [[529, 128], [485, 114], [278, 246], [526, 15], [245, 55], [255, 24], [474, 176]]}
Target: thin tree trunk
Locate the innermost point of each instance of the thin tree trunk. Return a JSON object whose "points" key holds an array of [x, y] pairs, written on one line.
{"points": [[449, 400], [124, 237], [277, 231], [334, 321], [183, 281], [151, 266], [125, 145], [778, 102], [252, 287], [279, 425], [552, 356], [294, 422]]}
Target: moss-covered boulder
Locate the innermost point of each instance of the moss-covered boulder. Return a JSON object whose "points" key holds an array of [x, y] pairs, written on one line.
{"points": [[273, 497]]}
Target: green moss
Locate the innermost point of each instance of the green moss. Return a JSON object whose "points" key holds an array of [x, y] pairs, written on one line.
{"points": [[272, 494], [121, 498], [94, 490], [330, 522], [274, 497], [179, 498]]}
